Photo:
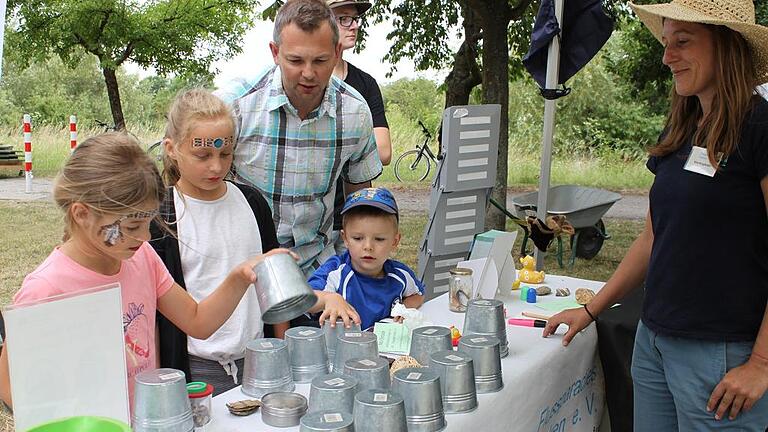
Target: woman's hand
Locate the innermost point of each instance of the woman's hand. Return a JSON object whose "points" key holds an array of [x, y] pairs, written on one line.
{"points": [[336, 307], [739, 389], [576, 319]]}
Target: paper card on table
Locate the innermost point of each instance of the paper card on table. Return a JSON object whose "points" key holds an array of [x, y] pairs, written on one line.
{"points": [[393, 337], [67, 357], [478, 267], [489, 282], [497, 245], [558, 305]]}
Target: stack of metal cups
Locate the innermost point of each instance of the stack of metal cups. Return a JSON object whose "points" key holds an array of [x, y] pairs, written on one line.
{"points": [[370, 373], [379, 410], [327, 421], [161, 402], [486, 317], [267, 368], [333, 391], [486, 361], [420, 388], [428, 340], [457, 380], [332, 336], [354, 344], [307, 351]]}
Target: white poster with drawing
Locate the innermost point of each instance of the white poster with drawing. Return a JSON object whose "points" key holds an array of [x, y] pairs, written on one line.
{"points": [[66, 357]]}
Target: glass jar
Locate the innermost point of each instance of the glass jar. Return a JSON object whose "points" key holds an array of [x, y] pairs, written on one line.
{"points": [[460, 289], [200, 398]]}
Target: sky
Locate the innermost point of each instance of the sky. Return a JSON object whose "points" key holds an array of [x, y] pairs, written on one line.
{"points": [[256, 54]]}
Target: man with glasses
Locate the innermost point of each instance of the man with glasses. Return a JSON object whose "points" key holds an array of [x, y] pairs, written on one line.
{"points": [[299, 131], [349, 17]]}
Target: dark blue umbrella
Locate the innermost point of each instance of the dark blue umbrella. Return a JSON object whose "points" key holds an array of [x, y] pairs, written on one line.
{"points": [[587, 28]]}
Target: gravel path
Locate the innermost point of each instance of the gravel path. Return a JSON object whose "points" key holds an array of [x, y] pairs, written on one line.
{"points": [[409, 200]]}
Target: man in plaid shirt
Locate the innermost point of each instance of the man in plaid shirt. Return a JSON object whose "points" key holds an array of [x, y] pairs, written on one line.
{"points": [[298, 131]]}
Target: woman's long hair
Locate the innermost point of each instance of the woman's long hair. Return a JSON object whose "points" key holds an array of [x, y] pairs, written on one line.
{"points": [[735, 81]]}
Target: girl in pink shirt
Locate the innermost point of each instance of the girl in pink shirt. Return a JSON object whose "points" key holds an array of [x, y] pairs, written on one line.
{"points": [[109, 191]]}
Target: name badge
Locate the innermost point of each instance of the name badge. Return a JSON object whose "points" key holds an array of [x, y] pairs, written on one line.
{"points": [[698, 162]]}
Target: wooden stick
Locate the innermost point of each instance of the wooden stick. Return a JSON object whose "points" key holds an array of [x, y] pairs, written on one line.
{"points": [[537, 315]]}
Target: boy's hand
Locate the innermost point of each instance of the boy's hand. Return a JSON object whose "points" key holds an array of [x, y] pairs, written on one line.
{"points": [[245, 270], [337, 307]]}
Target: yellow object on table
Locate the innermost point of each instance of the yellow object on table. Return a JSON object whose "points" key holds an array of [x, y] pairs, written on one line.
{"points": [[528, 273]]}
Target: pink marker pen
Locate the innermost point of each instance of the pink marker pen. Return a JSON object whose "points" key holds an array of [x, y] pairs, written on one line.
{"points": [[527, 322]]}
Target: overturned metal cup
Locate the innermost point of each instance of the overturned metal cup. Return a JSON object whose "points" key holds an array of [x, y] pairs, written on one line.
{"points": [[420, 388], [379, 410], [327, 421], [457, 380], [332, 335], [354, 344], [282, 289], [427, 340], [486, 361], [307, 350], [161, 402], [333, 391], [486, 317], [267, 368], [371, 373]]}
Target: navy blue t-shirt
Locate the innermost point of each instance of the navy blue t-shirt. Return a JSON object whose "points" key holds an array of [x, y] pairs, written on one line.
{"points": [[708, 272]]}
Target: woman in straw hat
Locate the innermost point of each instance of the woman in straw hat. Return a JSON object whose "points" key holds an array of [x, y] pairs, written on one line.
{"points": [[700, 359]]}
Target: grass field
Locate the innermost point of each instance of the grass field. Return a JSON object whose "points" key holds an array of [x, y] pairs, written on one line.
{"points": [[31, 229]]}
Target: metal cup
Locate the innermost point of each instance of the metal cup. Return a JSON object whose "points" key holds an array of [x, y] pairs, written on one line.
{"points": [[427, 340], [378, 410], [282, 289], [486, 360], [334, 392], [457, 380], [354, 344], [283, 409], [370, 373], [161, 403], [327, 421], [420, 388], [306, 348], [267, 368], [486, 317], [332, 335]]}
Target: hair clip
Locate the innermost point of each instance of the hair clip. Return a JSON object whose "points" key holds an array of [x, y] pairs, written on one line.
{"points": [[213, 142]]}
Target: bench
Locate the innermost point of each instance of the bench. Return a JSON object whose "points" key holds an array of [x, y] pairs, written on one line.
{"points": [[11, 159]]}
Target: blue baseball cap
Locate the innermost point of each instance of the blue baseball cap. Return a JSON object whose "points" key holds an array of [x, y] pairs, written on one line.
{"points": [[380, 198]]}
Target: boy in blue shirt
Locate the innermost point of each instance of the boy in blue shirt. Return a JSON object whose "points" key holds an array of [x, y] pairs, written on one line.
{"points": [[364, 275]]}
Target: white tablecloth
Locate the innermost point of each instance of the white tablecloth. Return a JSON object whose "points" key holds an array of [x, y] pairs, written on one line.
{"points": [[547, 387]]}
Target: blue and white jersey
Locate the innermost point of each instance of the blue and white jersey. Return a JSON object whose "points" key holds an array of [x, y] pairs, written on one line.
{"points": [[372, 298]]}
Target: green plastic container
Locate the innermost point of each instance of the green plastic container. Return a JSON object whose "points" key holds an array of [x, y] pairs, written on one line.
{"points": [[82, 424]]}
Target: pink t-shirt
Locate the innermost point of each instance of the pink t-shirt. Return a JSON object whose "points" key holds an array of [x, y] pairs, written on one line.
{"points": [[143, 279]]}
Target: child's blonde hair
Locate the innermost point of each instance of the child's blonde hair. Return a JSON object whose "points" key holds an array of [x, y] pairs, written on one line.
{"points": [[190, 106], [110, 173]]}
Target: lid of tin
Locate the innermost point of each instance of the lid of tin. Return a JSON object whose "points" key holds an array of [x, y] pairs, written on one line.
{"points": [[199, 389], [284, 404], [460, 271]]}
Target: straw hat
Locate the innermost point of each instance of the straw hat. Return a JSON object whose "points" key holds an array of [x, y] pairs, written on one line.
{"points": [[738, 15]]}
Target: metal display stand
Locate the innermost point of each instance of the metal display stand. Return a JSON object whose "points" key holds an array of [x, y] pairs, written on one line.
{"points": [[465, 176]]}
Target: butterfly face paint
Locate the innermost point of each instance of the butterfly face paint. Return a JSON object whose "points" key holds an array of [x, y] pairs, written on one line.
{"points": [[113, 234], [217, 143]]}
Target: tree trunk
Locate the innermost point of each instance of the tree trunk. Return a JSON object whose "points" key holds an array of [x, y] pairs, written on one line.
{"points": [[113, 93], [495, 17]]}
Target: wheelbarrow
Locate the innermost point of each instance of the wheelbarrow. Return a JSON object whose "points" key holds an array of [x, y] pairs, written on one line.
{"points": [[582, 206]]}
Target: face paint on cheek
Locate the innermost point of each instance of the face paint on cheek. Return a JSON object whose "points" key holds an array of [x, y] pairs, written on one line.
{"points": [[112, 233]]}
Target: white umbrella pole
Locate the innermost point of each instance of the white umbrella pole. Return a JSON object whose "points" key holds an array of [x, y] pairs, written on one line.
{"points": [[550, 106]]}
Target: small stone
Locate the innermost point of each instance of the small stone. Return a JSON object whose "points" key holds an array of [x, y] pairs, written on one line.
{"points": [[543, 290], [584, 295], [562, 292]]}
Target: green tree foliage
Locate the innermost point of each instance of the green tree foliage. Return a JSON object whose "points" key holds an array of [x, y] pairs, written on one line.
{"points": [[171, 36], [415, 99]]}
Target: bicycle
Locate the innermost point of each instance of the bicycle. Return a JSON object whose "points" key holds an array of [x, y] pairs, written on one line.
{"points": [[415, 165], [155, 150]]}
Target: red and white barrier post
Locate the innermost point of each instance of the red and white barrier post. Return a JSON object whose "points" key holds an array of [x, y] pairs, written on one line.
{"points": [[28, 152], [72, 133]]}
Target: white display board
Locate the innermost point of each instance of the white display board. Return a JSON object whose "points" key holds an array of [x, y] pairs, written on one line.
{"points": [[66, 356]]}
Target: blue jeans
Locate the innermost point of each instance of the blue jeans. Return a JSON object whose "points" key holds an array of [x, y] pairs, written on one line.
{"points": [[674, 377]]}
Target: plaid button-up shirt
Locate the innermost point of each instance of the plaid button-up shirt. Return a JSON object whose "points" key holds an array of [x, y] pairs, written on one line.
{"points": [[295, 163]]}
